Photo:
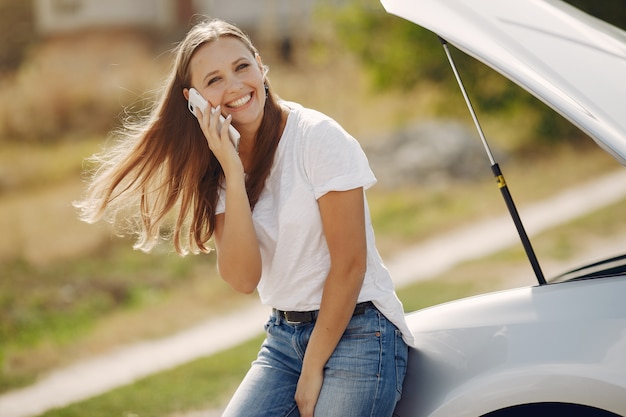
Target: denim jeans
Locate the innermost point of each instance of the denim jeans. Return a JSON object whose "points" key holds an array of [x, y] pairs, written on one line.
{"points": [[362, 378]]}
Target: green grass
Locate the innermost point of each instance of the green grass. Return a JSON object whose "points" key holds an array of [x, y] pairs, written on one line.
{"points": [[432, 292], [203, 383], [57, 298], [60, 304]]}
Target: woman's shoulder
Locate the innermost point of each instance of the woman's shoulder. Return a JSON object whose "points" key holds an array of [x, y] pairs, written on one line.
{"points": [[311, 120]]}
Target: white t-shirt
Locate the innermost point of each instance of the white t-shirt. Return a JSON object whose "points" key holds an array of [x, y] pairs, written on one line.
{"points": [[315, 155]]}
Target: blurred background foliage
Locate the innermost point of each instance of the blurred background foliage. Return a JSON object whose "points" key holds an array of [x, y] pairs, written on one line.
{"points": [[401, 55]]}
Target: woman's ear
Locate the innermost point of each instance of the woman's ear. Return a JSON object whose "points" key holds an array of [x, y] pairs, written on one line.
{"points": [[186, 93]]}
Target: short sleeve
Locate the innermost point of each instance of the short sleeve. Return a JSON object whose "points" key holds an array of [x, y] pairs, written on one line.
{"points": [[334, 160]]}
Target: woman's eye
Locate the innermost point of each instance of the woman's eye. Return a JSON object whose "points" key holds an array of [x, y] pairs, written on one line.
{"points": [[242, 66], [213, 80]]}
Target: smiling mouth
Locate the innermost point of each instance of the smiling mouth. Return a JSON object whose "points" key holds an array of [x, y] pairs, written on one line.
{"points": [[239, 102]]}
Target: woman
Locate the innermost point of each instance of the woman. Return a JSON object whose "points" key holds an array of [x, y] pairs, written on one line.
{"points": [[288, 216]]}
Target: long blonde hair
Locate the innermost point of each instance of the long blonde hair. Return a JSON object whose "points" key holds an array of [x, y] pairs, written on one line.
{"points": [[160, 176]]}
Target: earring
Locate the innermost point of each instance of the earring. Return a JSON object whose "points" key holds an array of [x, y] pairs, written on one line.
{"points": [[267, 90]]}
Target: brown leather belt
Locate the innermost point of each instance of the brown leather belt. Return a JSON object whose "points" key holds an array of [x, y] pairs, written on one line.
{"points": [[304, 317]]}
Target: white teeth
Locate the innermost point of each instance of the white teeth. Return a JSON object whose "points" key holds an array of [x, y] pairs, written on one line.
{"points": [[240, 102]]}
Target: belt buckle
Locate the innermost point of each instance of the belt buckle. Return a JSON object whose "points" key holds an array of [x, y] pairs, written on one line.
{"points": [[285, 315], [298, 317]]}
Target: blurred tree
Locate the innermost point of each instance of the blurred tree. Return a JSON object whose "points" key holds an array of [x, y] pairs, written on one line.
{"points": [[400, 54], [16, 31], [397, 52]]}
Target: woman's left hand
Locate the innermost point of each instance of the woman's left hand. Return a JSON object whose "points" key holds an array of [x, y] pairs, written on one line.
{"points": [[308, 391]]}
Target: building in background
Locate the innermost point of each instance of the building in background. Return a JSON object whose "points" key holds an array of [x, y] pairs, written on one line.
{"points": [[272, 20], [64, 16]]}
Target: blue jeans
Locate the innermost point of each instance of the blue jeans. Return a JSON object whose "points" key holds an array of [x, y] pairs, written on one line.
{"points": [[362, 378]]}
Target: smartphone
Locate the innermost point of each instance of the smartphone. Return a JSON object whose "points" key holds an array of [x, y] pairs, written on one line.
{"points": [[196, 101]]}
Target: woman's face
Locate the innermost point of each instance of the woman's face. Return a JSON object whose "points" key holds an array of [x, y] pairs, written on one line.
{"points": [[226, 73]]}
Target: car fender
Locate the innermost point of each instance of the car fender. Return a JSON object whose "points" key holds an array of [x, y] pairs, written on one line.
{"points": [[520, 346], [435, 391], [532, 385]]}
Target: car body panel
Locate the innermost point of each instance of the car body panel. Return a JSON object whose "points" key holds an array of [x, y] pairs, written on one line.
{"points": [[573, 62], [561, 342]]}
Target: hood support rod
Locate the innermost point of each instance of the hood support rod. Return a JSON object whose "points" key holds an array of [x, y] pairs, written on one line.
{"points": [[495, 168]]}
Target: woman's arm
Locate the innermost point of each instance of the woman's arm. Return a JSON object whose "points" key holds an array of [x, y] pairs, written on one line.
{"points": [[343, 219], [238, 254]]}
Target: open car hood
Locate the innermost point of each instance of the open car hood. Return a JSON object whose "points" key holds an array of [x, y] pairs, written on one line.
{"points": [[571, 61]]}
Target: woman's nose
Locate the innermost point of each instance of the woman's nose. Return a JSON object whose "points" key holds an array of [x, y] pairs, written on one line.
{"points": [[234, 84]]}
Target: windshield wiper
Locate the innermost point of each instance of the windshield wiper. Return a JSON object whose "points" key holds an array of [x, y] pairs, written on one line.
{"points": [[495, 168], [606, 268]]}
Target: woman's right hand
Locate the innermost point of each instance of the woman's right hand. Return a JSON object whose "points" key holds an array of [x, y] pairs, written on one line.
{"points": [[219, 141]]}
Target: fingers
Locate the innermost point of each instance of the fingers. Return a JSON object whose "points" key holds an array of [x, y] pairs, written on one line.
{"points": [[307, 393], [215, 117], [306, 406], [210, 125], [221, 124], [218, 139], [225, 131]]}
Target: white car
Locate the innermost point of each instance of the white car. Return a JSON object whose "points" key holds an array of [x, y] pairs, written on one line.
{"points": [[557, 348]]}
